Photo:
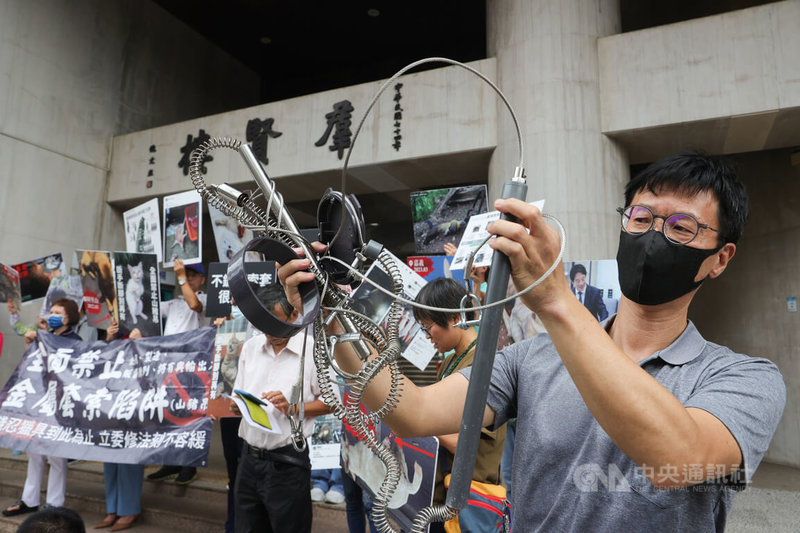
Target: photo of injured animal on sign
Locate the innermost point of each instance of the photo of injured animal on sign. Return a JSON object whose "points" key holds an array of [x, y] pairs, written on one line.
{"points": [[440, 215], [183, 230]]}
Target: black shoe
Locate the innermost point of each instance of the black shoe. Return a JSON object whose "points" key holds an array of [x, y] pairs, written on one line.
{"points": [[21, 508], [187, 475], [164, 473]]}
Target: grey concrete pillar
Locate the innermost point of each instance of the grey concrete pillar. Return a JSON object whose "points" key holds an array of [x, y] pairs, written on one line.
{"points": [[547, 65]]}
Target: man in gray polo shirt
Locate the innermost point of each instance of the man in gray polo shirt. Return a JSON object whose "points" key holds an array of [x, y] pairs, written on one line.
{"points": [[635, 424]]}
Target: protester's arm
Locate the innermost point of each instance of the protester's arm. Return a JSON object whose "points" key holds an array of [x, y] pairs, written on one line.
{"points": [[16, 323], [188, 293], [448, 442], [643, 418], [478, 277], [13, 315], [432, 410]]}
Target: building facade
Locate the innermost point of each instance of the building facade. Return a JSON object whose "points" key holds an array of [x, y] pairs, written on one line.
{"points": [[593, 103]]}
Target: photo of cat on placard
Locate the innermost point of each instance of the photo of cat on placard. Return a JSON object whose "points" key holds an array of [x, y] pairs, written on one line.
{"points": [[136, 279]]}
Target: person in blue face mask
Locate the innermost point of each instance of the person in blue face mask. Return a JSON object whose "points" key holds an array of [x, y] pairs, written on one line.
{"points": [[63, 316]]}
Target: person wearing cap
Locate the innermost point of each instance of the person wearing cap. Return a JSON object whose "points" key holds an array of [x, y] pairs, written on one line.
{"points": [[183, 313]]}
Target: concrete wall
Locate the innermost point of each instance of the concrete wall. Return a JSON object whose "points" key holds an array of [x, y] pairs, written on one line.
{"points": [[745, 308], [73, 75], [547, 65], [728, 83]]}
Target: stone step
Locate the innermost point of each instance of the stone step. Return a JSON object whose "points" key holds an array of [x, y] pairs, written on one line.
{"points": [[159, 508], [208, 483], [197, 508]]}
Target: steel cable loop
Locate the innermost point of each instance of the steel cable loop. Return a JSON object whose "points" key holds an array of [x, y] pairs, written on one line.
{"points": [[337, 300], [391, 80]]}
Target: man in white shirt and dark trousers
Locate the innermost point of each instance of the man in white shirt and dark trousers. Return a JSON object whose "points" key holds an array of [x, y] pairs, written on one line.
{"points": [[273, 483], [183, 313]]}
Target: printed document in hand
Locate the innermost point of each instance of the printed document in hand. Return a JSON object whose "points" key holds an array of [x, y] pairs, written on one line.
{"points": [[473, 236], [254, 411]]}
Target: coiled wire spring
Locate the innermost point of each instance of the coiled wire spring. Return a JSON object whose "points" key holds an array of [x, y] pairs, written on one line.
{"points": [[264, 221]]}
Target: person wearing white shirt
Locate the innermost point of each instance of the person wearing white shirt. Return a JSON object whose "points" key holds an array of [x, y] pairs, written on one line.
{"points": [[273, 482], [183, 313]]}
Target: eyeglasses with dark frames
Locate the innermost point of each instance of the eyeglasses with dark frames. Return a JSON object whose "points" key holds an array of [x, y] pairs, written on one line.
{"points": [[679, 228], [427, 329]]}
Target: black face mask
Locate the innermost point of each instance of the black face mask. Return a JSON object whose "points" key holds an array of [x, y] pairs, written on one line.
{"points": [[653, 271]]}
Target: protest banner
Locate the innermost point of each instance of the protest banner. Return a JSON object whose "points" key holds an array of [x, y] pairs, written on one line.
{"points": [[229, 234], [371, 302], [431, 267], [474, 235], [324, 444], [439, 216], [139, 401], [62, 287], [183, 228], [259, 274]]}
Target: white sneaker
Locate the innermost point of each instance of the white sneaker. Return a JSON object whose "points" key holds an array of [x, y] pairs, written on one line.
{"points": [[317, 495], [334, 496]]}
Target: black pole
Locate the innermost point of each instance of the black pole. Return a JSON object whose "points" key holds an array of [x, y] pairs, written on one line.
{"points": [[474, 406]]}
